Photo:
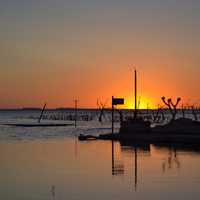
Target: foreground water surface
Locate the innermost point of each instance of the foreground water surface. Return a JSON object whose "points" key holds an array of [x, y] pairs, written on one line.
{"points": [[69, 169], [51, 164]]}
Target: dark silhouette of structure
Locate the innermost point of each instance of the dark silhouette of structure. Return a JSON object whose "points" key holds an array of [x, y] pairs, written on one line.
{"points": [[135, 124]]}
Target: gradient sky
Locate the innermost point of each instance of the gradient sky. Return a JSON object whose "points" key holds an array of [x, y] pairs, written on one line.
{"points": [[56, 51]]}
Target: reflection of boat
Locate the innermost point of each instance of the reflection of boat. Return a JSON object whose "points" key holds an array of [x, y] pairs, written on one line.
{"points": [[130, 145], [183, 147]]}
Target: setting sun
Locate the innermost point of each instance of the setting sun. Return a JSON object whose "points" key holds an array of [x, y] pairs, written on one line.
{"points": [[143, 103]]}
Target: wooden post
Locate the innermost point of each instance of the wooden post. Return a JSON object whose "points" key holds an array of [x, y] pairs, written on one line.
{"points": [[42, 113]]}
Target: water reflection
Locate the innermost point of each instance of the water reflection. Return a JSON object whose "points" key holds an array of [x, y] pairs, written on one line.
{"points": [[117, 165], [172, 160], [174, 149], [132, 149], [69, 169], [53, 192], [75, 147], [135, 150], [178, 147]]}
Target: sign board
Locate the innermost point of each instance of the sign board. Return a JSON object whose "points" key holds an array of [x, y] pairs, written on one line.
{"points": [[117, 101]]}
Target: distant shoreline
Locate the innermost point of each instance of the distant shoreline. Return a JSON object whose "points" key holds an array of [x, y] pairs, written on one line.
{"points": [[83, 109]]}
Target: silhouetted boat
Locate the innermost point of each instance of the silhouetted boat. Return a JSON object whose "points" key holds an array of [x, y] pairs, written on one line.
{"points": [[135, 124]]}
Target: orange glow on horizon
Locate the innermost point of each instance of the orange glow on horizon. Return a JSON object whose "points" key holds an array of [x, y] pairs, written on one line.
{"points": [[143, 103]]}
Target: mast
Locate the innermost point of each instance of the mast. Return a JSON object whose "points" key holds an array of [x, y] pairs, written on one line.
{"points": [[135, 111]]}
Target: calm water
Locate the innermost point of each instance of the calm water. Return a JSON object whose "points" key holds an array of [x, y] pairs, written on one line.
{"points": [[69, 169], [51, 164]]}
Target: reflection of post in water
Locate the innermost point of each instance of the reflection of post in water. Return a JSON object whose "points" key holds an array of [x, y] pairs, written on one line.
{"points": [[53, 193], [135, 150], [76, 147], [117, 167], [113, 162]]}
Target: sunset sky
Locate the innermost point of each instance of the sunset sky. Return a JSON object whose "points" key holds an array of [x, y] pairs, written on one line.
{"points": [[57, 51]]}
